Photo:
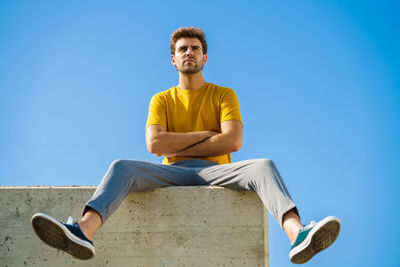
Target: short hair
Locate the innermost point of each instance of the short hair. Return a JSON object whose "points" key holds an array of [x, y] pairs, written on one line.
{"points": [[190, 32]]}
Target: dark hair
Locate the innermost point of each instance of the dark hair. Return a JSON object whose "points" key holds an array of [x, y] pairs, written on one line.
{"points": [[190, 32]]}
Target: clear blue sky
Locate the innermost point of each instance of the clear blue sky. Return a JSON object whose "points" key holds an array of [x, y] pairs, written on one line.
{"points": [[318, 84]]}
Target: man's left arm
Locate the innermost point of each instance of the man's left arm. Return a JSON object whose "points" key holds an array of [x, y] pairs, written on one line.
{"points": [[228, 141]]}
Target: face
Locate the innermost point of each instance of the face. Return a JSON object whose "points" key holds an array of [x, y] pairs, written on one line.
{"points": [[188, 58]]}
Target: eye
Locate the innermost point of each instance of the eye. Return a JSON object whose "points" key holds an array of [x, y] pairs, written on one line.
{"points": [[182, 48]]}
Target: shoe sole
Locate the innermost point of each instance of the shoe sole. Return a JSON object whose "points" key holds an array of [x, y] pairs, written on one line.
{"points": [[320, 237], [57, 235]]}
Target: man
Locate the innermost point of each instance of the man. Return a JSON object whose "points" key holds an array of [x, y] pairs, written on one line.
{"points": [[195, 126]]}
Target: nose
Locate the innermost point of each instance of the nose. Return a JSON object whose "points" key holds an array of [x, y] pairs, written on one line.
{"points": [[189, 51]]}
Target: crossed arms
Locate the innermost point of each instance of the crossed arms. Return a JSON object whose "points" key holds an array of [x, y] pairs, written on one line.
{"points": [[195, 144]]}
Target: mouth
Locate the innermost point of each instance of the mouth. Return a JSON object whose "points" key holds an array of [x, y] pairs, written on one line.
{"points": [[189, 60]]}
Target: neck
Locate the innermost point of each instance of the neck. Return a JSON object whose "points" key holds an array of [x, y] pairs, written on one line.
{"points": [[191, 81]]}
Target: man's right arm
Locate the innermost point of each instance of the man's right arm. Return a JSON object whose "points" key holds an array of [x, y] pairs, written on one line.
{"points": [[161, 142]]}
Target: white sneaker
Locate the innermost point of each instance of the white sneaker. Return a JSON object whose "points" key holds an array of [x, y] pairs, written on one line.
{"points": [[64, 236], [314, 238]]}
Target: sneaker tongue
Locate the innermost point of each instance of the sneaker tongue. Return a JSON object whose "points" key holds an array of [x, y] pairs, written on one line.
{"points": [[312, 224], [71, 220]]}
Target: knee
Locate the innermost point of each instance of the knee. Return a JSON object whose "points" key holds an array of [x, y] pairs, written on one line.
{"points": [[119, 165], [262, 167], [264, 163]]}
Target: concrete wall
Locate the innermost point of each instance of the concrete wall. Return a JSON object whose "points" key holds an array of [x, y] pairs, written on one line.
{"points": [[173, 226]]}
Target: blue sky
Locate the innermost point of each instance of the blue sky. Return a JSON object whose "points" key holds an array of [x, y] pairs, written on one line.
{"points": [[318, 84]]}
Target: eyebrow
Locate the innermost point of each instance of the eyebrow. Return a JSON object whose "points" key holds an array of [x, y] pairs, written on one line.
{"points": [[186, 46]]}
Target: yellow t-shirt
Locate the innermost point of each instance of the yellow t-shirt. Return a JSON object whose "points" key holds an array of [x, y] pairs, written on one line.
{"points": [[190, 110]]}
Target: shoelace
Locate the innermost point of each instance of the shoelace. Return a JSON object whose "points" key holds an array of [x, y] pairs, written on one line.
{"points": [[71, 220], [311, 225]]}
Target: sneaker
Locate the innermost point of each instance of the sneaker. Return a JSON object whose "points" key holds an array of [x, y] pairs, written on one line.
{"points": [[64, 236], [314, 238]]}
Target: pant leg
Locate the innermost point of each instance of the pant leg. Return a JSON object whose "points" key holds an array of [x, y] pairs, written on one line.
{"points": [[258, 175], [125, 176]]}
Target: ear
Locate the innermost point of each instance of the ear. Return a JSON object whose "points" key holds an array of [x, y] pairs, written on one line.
{"points": [[173, 60], [204, 59]]}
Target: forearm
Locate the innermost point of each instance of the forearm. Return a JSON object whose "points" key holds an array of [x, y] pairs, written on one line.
{"points": [[170, 142], [216, 145]]}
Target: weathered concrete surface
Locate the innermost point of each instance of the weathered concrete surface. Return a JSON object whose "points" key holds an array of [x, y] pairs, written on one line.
{"points": [[173, 226]]}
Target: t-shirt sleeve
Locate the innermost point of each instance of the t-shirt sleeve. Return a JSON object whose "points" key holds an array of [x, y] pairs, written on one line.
{"points": [[230, 107], [157, 112]]}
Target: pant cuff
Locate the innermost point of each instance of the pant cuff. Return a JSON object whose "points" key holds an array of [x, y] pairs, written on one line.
{"points": [[91, 206]]}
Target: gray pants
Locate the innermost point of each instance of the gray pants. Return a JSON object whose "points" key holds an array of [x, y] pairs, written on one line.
{"points": [[125, 176]]}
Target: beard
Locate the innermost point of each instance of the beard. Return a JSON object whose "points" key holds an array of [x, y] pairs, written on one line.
{"points": [[193, 68]]}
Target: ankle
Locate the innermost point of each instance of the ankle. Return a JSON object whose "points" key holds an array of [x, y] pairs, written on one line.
{"points": [[294, 235], [85, 230], [90, 223], [292, 229]]}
